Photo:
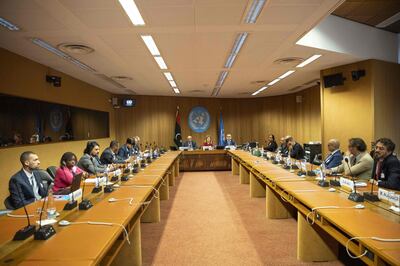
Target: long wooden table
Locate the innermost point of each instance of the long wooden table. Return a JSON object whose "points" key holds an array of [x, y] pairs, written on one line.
{"points": [[199, 160], [84, 244], [290, 195]]}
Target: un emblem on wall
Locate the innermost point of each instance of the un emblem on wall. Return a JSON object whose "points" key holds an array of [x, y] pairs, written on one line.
{"points": [[199, 119], [56, 119]]}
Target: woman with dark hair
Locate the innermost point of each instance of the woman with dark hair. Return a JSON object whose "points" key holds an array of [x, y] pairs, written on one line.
{"points": [[208, 142], [65, 173], [90, 161], [271, 144]]}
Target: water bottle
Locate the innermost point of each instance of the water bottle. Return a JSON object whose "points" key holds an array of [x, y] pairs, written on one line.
{"points": [[323, 170], [51, 206]]}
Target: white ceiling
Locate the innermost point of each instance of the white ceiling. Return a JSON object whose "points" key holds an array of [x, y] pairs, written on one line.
{"points": [[193, 36]]}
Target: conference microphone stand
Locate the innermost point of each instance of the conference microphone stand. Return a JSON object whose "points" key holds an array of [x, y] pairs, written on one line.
{"points": [[354, 196], [97, 188], [85, 204], [28, 230], [370, 195], [46, 231]]}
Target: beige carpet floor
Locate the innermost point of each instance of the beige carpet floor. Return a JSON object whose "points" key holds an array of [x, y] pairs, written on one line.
{"points": [[210, 219]]}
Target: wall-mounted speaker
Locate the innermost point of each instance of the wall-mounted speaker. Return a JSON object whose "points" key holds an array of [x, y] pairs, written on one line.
{"points": [[334, 80]]}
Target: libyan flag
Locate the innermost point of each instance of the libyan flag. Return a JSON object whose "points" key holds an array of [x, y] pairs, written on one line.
{"points": [[178, 136]]}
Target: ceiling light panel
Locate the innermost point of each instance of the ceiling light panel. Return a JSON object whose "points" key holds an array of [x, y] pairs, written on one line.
{"points": [[150, 44], [288, 73], [132, 11], [7, 24], [254, 11], [239, 41], [309, 60], [160, 61], [168, 75]]}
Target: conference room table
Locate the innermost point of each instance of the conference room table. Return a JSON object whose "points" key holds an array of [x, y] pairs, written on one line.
{"points": [[320, 231], [205, 160], [87, 244]]}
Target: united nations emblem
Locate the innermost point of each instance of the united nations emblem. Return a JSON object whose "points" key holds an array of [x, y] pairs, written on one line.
{"points": [[56, 119], [199, 119]]}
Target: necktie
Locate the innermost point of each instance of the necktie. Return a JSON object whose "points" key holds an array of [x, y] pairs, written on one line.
{"points": [[378, 170], [35, 188]]}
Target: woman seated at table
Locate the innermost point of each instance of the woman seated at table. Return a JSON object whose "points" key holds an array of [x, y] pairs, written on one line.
{"points": [[271, 144], [208, 142], [65, 173]]}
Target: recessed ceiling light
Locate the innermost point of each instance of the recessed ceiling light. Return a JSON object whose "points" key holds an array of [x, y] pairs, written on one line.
{"points": [[288, 73], [273, 82], [75, 48], [151, 45], [254, 11], [176, 90], [259, 90], [168, 75], [7, 24], [160, 62], [172, 83], [221, 79], [309, 60], [239, 41], [132, 11]]}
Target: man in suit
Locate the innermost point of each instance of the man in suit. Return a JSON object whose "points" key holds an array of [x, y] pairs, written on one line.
{"points": [[386, 170], [26, 186], [137, 145], [126, 150], [90, 161], [229, 141], [191, 144], [283, 147], [295, 150], [109, 155], [359, 160], [335, 156]]}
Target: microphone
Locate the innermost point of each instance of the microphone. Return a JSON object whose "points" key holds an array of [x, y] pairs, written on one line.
{"points": [[370, 195], [323, 182], [28, 230], [354, 196], [85, 204], [334, 182], [46, 231], [97, 188]]}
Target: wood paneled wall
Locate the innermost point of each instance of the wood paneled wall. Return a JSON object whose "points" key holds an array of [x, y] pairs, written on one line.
{"points": [[366, 108], [24, 78], [346, 110], [386, 86], [153, 118]]}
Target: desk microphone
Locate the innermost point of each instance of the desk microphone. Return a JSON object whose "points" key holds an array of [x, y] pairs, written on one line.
{"points": [[354, 196], [28, 230], [46, 231], [85, 204], [311, 172], [97, 188], [370, 195]]}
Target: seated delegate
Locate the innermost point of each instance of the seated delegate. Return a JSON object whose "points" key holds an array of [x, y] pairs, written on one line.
{"points": [[386, 169], [271, 144], [65, 173], [90, 161], [208, 142], [335, 156], [109, 155], [295, 150], [229, 141], [191, 144], [360, 161], [127, 150], [26, 185]]}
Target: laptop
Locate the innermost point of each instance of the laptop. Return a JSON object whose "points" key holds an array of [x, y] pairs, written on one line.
{"points": [[76, 182], [173, 148]]}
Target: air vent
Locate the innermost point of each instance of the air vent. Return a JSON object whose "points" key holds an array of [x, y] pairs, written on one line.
{"points": [[110, 80], [289, 61], [121, 78], [259, 82], [74, 48], [196, 91]]}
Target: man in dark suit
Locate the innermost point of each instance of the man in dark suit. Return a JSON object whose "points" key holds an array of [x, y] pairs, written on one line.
{"points": [[191, 144], [386, 170], [126, 150], [26, 186], [229, 141], [335, 156], [109, 155], [283, 149], [296, 151]]}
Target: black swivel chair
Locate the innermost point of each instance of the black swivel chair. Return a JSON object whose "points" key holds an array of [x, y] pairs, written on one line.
{"points": [[52, 171]]}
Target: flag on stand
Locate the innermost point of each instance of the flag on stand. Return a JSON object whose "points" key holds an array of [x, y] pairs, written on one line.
{"points": [[178, 136], [221, 131]]}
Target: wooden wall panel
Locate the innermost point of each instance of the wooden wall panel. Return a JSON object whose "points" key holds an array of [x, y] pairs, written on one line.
{"points": [[153, 118], [347, 111], [386, 86]]}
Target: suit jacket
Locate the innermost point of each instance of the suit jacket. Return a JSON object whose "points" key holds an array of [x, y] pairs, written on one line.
{"points": [[186, 144], [232, 143], [297, 152], [91, 164], [334, 159], [361, 169], [272, 146], [124, 152], [21, 190], [108, 157], [390, 173]]}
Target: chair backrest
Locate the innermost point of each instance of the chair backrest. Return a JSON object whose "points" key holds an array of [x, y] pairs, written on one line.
{"points": [[45, 177], [51, 170], [7, 203]]}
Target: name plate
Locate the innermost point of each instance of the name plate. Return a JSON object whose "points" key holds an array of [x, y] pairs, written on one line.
{"points": [[345, 182], [76, 195], [389, 196]]}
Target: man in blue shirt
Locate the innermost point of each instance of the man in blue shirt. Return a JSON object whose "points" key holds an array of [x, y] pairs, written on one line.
{"points": [[335, 156], [229, 141]]}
